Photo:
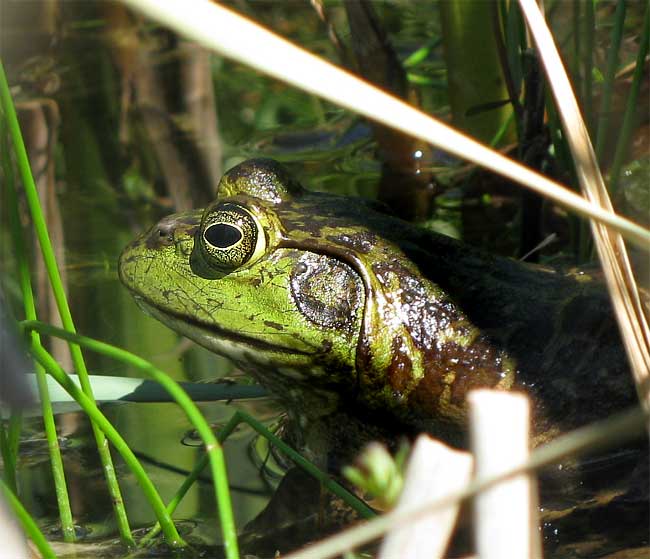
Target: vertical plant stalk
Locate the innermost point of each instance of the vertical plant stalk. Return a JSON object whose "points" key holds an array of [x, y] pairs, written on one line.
{"points": [[8, 458], [628, 118], [610, 78], [475, 75], [611, 249], [588, 64], [506, 524], [56, 461], [588, 30], [213, 448], [577, 43], [49, 259], [88, 405], [27, 522], [9, 438]]}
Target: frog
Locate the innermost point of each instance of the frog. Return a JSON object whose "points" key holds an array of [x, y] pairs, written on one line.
{"points": [[366, 327], [334, 304]]}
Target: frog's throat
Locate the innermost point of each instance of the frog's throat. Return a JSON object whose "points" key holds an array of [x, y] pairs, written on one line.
{"points": [[233, 345]]}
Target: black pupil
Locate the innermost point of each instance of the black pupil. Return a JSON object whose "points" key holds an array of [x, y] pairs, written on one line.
{"points": [[222, 235]]}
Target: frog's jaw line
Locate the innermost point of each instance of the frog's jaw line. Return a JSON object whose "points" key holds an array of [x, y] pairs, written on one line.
{"points": [[242, 350]]}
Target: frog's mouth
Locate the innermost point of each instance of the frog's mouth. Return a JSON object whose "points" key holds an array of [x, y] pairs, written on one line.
{"points": [[234, 345]]}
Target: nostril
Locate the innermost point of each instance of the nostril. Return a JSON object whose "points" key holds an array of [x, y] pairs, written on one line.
{"points": [[163, 234]]}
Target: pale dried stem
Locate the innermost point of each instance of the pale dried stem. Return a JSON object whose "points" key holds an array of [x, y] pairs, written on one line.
{"points": [[615, 430], [609, 244], [505, 516], [434, 471], [14, 543]]}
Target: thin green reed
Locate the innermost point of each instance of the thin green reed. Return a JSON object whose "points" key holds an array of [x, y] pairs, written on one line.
{"points": [[610, 78], [40, 227], [631, 106], [9, 443], [24, 280], [213, 448], [8, 458], [241, 417], [88, 405], [589, 21], [577, 43]]}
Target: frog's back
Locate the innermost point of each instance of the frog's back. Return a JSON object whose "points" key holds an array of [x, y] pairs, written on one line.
{"points": [[558, 326]]}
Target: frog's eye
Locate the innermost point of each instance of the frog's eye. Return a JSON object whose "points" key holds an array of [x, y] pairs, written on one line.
{"points": [[230, 237]]}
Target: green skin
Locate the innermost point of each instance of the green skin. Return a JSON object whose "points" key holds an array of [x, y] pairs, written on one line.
{"points": [[350, 315]]}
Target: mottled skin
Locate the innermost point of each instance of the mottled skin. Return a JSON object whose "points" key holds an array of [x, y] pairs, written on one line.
{"points": [[346, 312]]}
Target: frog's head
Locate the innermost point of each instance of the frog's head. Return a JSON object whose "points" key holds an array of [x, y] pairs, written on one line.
{"points": [[226, 278], [308, 290]]}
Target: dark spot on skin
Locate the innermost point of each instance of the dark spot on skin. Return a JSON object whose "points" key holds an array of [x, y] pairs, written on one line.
{"points": [[407, 297], [273, 325], [133, 257], [296, 222], [162, 235], [326, 346], [256, 282]]}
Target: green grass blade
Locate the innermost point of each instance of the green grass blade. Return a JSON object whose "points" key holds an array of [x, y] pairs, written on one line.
{"points": [[589, 24], [610, 78], [54, 369], [49, 259], [8, 459], [630, 108], [29, 306], [213, 448], [354, 502]]}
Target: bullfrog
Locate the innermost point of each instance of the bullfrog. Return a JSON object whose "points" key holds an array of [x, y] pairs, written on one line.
{"points": [[367, 327], [339, 308]]}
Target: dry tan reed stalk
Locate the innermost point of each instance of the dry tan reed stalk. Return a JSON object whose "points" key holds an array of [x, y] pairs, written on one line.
{"points": [[505, 516], [435, 470], [609, 244]]}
